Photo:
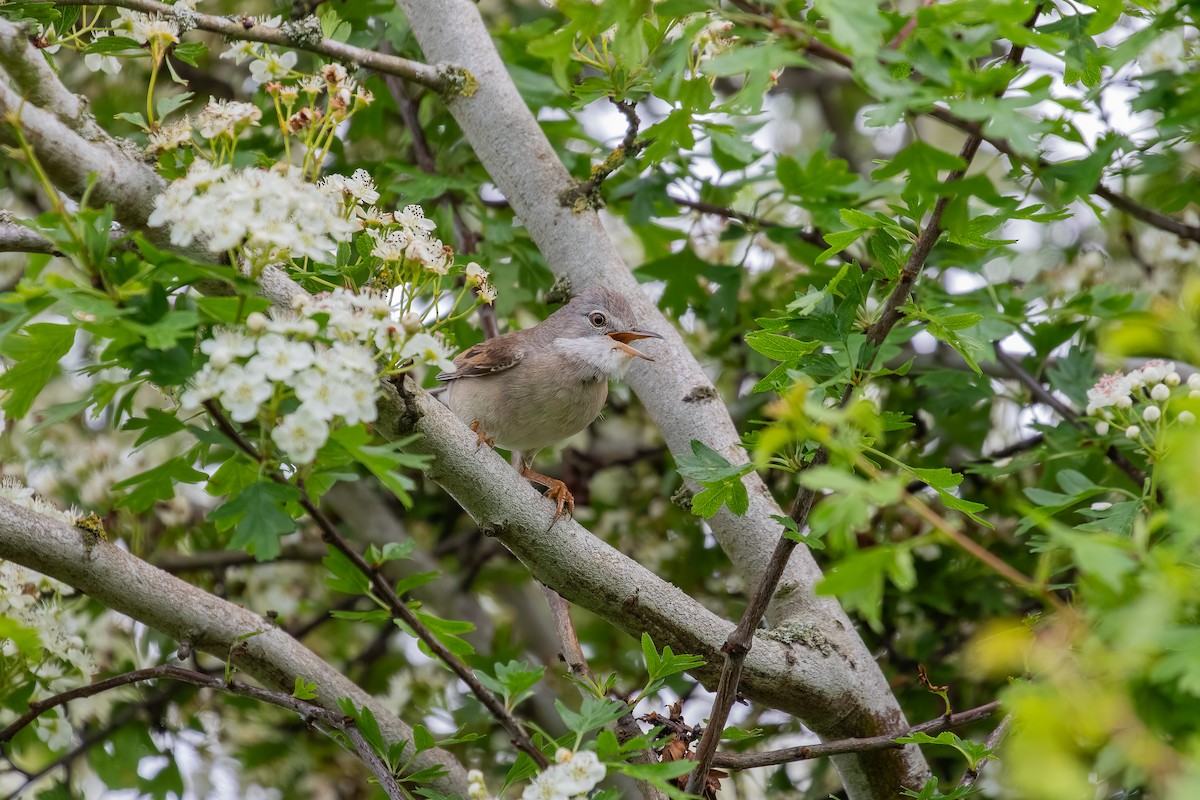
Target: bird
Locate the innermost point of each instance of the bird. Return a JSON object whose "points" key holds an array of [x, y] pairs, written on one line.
{"points": [[527, 389]]}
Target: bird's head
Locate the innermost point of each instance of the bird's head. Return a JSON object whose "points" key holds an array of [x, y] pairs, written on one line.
{"points": [[597, 328]]}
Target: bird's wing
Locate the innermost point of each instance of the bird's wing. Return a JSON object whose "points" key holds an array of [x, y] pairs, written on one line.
{"points": [[486, 358]]}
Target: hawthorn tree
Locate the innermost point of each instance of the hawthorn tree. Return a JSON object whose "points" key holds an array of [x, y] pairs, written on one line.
{"points": [[910, 487]]}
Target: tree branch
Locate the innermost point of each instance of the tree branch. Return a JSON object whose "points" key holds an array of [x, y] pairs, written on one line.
{"points": [[1123, 202], [15, 238], [848, 694], [398, 608], [440, 78], [186, 613], [586, 194], [742, 639], [306, 709], [888, 740]]}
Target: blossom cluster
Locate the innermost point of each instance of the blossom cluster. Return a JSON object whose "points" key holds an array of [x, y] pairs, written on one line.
{"points": [[33, 602], [574, 774], [263, 210], [1134, 403], [306, 371]]}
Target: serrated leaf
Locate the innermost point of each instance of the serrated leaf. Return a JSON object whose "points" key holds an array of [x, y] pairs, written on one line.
{"points": [[779, 348]]}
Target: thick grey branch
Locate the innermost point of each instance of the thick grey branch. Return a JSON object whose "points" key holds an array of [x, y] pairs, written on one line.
{"points": [[133, 587], [16, 238], [677, 393]]}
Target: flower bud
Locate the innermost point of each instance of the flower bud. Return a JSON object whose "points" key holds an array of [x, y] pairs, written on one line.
{"points": [[411, 323], [1172, 379], [1125, 402], [1133, 432], [1160, 392], [257, 322], [1193, 380], [1102, 428], [1187, 418], [1151, 414]]}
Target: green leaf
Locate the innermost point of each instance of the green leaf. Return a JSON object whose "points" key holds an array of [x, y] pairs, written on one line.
{"points": [[157, 484], [113, 44], [721, 480], [344, 576], [593, 713], [779, 348], [660, 667], [384, 461], [304, 690], [514, 681], [35, 350], [190, 52], [974, 753], [260, 514]]}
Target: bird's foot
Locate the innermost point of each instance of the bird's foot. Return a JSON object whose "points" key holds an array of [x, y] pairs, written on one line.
{"points": [[556, 490], [562, 497], [483, 437]]}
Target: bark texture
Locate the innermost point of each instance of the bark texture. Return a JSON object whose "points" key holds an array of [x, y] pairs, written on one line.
{"points": [[675, 390]]}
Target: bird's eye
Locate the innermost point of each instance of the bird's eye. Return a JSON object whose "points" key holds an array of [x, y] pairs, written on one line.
{"points": [[597, 319]]}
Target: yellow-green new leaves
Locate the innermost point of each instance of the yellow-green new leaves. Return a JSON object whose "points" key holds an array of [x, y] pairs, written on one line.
{"points": [[721, 480]]}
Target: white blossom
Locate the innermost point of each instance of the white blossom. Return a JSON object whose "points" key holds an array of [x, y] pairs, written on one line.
{"points": [[169, 136], [272, 66], [300, 435], [243, 392], [280, 359], [100, 62], [425, 348], [240, 51], [227, 117], [1133, 432], [1165, 54], [254, 208], [1151, 414], [226, 345], [476, 275], [1160, 392], [324, 399]]}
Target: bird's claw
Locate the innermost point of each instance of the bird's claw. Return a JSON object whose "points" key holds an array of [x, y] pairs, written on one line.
{"points": [[483, 438], [562, 497]]}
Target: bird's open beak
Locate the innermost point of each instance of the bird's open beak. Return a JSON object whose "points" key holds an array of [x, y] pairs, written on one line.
{"points": [[623, 338]]}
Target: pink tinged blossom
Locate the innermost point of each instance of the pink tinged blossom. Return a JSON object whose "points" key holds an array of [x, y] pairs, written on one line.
{"points": [[1110, 390]]}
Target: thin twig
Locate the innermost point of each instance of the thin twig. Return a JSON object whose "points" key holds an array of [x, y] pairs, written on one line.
{"points": [[246, 29], [814, 236], [625, 727], [740, 641], [221, 559], [304, 708], [909, 27], [760, 17], [993, 741], [398, 608], [861, 745], [387, 781], [587, 193]]}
